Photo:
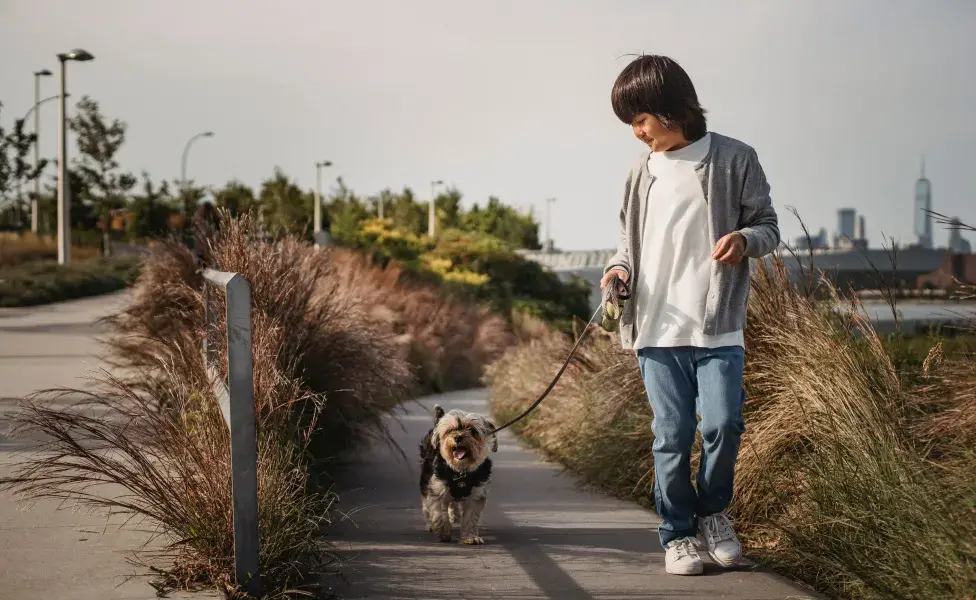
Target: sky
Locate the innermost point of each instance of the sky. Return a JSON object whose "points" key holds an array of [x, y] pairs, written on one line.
{"points": [[840, 98]]}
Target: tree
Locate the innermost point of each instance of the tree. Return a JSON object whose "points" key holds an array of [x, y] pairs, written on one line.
{"points": [[150, 211], [15, 171], [236, 198], [284, 206], [448, 210], [82, 216], [98, 143], [503, 222], [347, 212], [188, 200], [408, 214]]}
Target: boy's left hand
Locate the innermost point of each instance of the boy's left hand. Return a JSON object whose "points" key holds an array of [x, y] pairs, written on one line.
{"points": [[730, 249]]}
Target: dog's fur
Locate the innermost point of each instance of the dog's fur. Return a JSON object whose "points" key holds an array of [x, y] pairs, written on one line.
{"points": [[455, 472]]}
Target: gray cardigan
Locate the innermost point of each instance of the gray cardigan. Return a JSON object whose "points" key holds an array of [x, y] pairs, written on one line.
{"points": [[737, 195]]}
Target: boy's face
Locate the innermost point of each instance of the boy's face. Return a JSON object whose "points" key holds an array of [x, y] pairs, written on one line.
{"points": [[658, 138]]}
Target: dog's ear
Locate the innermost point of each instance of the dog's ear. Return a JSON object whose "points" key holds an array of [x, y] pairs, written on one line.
{"points": [[494, 438], [438, 413]]}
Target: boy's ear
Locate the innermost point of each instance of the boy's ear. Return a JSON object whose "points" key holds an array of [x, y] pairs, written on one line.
{"points": [[438, 413]]}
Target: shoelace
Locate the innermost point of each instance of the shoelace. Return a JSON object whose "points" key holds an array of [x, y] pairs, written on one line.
{"points": [[683, 547], [719, 527]]}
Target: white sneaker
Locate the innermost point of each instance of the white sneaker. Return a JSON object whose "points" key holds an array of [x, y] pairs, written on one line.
{"points": [[716, 534], [681, 557]]}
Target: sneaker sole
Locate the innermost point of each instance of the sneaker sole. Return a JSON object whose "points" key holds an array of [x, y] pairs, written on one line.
{"points": [[693, 571], [703, 545], [724, 563]]}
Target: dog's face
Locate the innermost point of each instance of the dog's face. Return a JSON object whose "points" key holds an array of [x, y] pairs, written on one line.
{"points": [[463, 439]]}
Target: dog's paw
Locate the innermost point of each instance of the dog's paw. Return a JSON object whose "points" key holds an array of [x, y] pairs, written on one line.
{"points": [[472, 541], [429, 527], [452, 515]]}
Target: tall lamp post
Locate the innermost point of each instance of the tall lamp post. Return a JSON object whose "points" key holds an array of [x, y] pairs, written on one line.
{"points": [[34, 110], [186, 151], [317, 209], [549, 244], [64, 187], [37, 141], [431, 212]]}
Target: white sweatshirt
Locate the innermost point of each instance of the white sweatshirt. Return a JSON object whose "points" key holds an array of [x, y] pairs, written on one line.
{"points": [[676, 256]]}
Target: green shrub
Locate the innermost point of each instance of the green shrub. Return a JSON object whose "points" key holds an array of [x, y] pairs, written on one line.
{"points": [[476, 266], [40, 282]]}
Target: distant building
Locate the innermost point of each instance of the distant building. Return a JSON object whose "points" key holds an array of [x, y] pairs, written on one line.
{"points": [[955, 267], [814, 242], [923, 204], [845, 223], [850, 230], [864, 269], [957, 243], [911, 268]]}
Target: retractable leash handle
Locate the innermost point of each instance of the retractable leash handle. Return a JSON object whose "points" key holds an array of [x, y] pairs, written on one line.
{"points": [[614, 296]]}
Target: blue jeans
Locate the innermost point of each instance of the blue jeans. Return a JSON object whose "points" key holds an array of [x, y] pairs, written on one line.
{"points": [[679, 381]]}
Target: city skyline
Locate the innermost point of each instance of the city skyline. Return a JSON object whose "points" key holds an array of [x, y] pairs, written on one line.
{"points": [[851, 230], [513, 100]]}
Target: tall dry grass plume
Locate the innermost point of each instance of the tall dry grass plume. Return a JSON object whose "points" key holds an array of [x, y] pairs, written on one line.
{"points": [[157, 446], [448, 342], [846, 479]]}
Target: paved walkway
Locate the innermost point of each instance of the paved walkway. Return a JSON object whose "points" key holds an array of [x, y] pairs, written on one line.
{"points": [[545, 538], [46, 552]]}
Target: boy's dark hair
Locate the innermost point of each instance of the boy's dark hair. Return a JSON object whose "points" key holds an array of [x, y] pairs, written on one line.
{"points": [[657, 85]]}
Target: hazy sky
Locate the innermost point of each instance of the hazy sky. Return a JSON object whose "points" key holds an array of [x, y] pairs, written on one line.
{"points": [[840, 98]]}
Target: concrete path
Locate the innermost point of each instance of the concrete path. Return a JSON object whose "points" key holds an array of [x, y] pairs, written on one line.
{"points": [[46, 552], [545, 538]]}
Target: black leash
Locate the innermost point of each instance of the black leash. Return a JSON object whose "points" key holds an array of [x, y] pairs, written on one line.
{"points": [[613, 296]]}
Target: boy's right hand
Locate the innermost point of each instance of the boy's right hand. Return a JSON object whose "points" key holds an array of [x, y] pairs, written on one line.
{"points": [[609, 275]]}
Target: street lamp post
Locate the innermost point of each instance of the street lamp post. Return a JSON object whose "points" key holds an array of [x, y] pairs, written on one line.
{"points": [[34, 110], [317, 209], [186, 150], [37, 141], [64, 187], [431, 212], [549, 244]]}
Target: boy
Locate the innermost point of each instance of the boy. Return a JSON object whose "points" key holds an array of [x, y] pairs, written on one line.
{"points": [[696, 207]]}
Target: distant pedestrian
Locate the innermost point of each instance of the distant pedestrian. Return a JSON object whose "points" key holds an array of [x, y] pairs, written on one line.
{"points": [[206, 223], [324, 237], [696, 207]]}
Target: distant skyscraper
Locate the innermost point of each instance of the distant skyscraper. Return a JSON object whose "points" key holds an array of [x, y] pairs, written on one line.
{"points": [[957, 243], [923, 203], [846, 217]]}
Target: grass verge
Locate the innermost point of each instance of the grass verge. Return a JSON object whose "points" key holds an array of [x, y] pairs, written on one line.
{"points": [[853, 476], [41, 282], [337, 345]]}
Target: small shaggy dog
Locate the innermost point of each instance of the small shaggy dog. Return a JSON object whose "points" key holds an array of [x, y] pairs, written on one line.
{"points": [[455, 472]]}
